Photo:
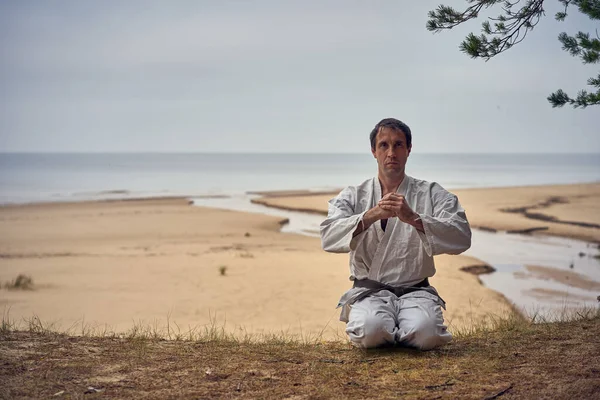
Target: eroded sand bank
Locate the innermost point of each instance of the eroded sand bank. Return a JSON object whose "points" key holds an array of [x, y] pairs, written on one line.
{"points": [[573, 207]]}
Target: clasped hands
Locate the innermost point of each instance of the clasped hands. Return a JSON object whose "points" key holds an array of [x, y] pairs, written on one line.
{"points": [[391, 205], [395, 205]]}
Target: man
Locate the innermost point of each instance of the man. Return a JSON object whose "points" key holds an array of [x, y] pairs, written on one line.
{"points": [[392, 226]]}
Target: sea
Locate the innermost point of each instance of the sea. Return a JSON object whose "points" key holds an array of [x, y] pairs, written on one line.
{"points": [[228, 180], [50, 177]]}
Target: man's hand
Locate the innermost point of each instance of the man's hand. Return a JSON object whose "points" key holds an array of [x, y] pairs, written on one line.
{"points": [[397, 205], [378, 213], [373, 215], [391, 205]]}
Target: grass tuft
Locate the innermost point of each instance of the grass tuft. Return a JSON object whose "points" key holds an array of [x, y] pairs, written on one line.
{"points": [[22, 282], [8, 325]]}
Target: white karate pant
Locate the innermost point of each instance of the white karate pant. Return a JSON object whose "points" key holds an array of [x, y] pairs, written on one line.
{"points": [[414, 319]]}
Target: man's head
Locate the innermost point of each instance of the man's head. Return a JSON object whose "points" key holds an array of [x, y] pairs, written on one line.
{"points": [[391, 142], [394, 124]]}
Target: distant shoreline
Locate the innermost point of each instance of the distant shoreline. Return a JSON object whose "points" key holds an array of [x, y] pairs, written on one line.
{"points": [[276, 193], [530, 209], [49, 177]]}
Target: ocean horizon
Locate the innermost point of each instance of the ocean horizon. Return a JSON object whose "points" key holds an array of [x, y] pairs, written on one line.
{"points": [[49, 177]]}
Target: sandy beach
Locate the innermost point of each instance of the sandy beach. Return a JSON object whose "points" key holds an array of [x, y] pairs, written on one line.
{"points": [[116, 264]]}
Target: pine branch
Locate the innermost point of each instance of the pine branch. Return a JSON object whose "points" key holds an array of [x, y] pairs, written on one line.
{"points": [[583, 99], [591, 8], [588, 49], [510, 27], [445, 17]]}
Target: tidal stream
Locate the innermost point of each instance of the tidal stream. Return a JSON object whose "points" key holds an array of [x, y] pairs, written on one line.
{"points": [[540, 274]]}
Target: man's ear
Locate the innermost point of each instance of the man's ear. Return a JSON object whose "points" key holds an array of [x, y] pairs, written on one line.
{"points": [[409, 149], [373, 152]]}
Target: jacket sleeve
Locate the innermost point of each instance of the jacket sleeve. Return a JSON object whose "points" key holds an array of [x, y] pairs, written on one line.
{"points": [[341, 222], [447, 231]]}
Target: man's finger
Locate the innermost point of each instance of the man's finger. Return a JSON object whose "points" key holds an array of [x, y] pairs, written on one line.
{"points": [[391, 201]]}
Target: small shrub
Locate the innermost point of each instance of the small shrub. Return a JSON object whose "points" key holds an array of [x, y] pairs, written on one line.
{"points": [[223, 270], [23, 282]]}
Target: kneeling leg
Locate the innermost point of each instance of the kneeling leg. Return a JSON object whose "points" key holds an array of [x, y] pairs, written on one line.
{"points": [[421, 323], [371, 322]]}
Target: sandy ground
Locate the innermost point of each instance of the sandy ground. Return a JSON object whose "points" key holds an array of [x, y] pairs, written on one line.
{"points": [[114, 265], [119, 264], [578, 203]]}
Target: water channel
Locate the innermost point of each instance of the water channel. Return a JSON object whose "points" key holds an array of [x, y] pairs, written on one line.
{"points": [[539, 274]]}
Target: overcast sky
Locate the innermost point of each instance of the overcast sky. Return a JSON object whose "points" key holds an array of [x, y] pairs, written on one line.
{"points": [[277, 76]]}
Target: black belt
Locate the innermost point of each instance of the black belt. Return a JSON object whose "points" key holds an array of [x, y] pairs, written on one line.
{"points": [[397, 290]]}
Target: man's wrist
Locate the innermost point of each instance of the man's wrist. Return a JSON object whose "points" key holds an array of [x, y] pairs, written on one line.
{"points": [[416, 219], [370, 217], [417, 222]]}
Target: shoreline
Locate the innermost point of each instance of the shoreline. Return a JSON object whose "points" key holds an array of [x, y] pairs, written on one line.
{"points": [[309, 201], [274, 193], [507, 214]]}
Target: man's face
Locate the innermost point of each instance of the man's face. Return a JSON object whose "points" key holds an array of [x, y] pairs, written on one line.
{"points": [[391, 151]]}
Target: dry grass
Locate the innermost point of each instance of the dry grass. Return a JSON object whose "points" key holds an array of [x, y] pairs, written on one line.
{"points": [[21, 282], [507, 357]]}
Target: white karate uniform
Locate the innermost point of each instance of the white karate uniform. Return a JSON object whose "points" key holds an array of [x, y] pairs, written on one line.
{"points": [[398, 256]]}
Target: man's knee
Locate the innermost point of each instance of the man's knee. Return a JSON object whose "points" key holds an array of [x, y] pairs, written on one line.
{"points": [[371, 330], [424, 334]]}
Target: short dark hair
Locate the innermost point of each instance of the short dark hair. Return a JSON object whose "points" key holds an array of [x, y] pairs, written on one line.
{"points": [[394, 124]]}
